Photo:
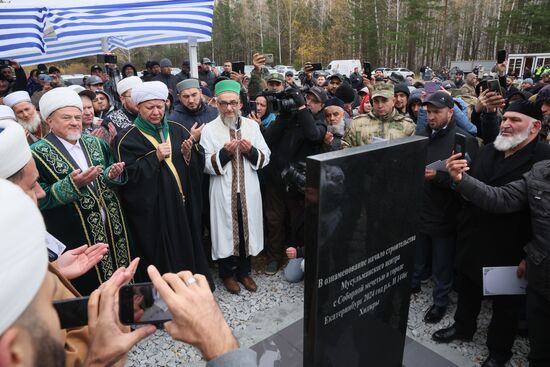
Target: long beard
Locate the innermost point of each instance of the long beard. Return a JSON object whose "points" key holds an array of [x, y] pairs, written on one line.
{"points": [[231, 121], [503, 143], [32, 125]]}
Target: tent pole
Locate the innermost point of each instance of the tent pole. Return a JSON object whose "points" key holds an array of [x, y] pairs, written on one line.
{"points": [[193, 63], [104, 45]]}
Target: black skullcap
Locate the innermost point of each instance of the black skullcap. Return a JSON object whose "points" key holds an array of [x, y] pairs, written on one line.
{"points": [[401, 87], [527, 108], [335, 101], [345, 93], [543, 95]]}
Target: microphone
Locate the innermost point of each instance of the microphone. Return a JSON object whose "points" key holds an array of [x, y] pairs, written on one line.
{"points": [[161, 133]]}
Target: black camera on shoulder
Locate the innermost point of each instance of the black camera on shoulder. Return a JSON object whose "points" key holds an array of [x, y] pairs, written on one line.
{"points": [[281, 102], [294, 176]]}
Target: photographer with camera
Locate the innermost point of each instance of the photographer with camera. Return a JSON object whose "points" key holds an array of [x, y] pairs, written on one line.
{"points": [[297, 133]]}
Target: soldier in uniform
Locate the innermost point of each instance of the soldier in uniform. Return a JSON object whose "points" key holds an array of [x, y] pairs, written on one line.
{"points": [[384, 122]]}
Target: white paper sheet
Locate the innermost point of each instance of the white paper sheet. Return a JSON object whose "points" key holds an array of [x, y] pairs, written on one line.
{"points": [[502, 280]]}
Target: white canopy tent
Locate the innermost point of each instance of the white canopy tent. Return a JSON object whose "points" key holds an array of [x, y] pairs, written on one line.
{"points": [[47, 31]]}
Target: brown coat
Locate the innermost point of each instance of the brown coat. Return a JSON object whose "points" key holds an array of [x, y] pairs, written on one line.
{"points": [[76, 339]]}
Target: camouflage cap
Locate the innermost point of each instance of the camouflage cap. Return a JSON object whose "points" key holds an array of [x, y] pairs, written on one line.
{"points": [[382, 90], [276, 77]]}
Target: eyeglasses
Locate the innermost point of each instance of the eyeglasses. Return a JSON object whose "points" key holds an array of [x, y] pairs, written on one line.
{"points": [[224, 104]]}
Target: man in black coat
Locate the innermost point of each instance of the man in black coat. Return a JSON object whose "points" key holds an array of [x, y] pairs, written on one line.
{"points": [[437, 228], [192, 109], [488, 239]]}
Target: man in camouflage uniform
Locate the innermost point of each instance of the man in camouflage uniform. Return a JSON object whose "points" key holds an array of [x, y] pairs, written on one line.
{"points": [[384, 122]]}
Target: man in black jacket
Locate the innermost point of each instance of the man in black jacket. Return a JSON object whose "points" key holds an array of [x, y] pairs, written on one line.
{"points": [[488, 239], [529, 192], [8, 81], [437, 228], [192, 109], [291, 138]]}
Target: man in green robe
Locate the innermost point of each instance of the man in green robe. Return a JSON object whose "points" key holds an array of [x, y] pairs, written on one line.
{"points": [[80, 176]]}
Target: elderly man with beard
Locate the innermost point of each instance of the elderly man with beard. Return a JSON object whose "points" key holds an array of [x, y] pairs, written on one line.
{"points": [[489, 239], [336, 127], [26, 115], [235, 150]]}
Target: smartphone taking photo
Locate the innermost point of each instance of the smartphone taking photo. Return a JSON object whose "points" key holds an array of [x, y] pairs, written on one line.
{"points": [[238, 67], [141, 304], [316, 66], [460, 144], [367, 69], [72, 312]]}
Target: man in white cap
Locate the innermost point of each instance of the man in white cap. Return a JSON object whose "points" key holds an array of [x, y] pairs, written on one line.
{"points": [[26, 115], [163, 195], [125, 116], [79, 176], [235, 150]]}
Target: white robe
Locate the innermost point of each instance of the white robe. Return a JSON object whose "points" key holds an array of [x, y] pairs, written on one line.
{"points": [[223, 184]]}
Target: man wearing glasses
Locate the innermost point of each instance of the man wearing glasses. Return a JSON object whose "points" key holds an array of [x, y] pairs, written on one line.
{"points": [[234, 150]]}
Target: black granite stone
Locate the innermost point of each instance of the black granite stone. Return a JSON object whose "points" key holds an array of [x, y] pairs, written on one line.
{"points": [[361, 213]]}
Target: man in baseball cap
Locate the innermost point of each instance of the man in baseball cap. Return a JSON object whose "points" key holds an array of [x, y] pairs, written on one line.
{"points": [[275, 82]]}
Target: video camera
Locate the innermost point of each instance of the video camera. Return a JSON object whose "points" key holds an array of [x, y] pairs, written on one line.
{"points": [[295, 176], [281, 102]]}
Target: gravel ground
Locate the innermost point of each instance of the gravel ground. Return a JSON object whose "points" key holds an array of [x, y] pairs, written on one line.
{"points": [[274, 291], [475, 350]]}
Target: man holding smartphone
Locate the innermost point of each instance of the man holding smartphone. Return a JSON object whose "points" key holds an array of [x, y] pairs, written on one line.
{"points": [[436, 232]]}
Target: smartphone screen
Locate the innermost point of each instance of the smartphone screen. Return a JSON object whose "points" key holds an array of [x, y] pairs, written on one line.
{"points": [[110, 59], [238, 67], [494, 86], [72, 312], [252, 105], [367, 68], [316, 66], [141, 304], [432, 87], [501, 56], [460, 144]]}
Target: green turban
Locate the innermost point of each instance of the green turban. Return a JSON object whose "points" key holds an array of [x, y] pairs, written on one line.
{"points": [[228, 86]]}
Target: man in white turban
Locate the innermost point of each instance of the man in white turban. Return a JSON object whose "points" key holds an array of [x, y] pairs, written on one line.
{"points": [[27, 115], [163, 195], [125, 116], [79, 176]]}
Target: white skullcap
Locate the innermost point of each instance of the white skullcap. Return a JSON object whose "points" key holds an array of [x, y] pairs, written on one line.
{"points": [[128, 83], [148, 91], [6, 113], [16, 97], [24, 259], [14, 149], [58, 98], [76, 88]]}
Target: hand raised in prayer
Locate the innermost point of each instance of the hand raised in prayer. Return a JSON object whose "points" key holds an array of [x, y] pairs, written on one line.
{"points": [[77, 262], [291, 252], [329, 137], [110, 341], [231, 146], [163, 151], [456, 167], [186, 148], [196, 131], [116, 170], [82, 179], [246, 146]]}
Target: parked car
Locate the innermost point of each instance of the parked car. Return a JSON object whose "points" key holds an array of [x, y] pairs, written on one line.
{"points": [[403, 71], [74, 79]]}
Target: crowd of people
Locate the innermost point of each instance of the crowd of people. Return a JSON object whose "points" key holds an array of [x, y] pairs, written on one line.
{"points": [[181, 172]]}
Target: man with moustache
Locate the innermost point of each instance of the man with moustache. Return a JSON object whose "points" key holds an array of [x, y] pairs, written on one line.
{"points": [[490, 239], [235, 150], [26, 115]]}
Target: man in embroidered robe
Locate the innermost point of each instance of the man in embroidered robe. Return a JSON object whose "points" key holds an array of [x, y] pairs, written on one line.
{"points": [[235, 150], [79, 176], [163, 195]]}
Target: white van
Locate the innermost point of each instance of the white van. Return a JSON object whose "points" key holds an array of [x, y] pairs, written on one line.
{"points": [[344, 67]]}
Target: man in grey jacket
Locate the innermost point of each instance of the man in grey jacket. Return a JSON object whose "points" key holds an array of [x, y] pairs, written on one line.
{"points": [[532, 191]]}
